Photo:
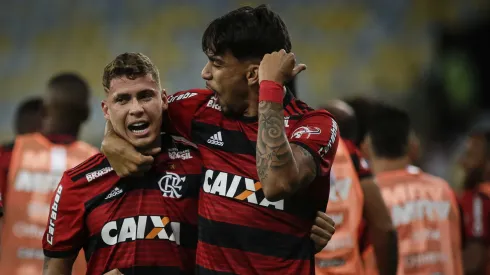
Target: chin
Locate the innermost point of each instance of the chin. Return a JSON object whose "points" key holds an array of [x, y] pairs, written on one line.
{"points": [[143, 143]]}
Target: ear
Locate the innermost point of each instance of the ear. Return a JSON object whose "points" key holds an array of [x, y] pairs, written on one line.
{"points": [[164, 100], [366, 148], [105, 109], [252, 74]]}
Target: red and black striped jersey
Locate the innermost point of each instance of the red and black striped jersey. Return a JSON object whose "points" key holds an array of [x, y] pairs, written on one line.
{"points": [[240, 231], [140, 225]]}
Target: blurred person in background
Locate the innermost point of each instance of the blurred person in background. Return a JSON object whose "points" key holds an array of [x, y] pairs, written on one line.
{"points": [[34, 167], [424, 208], [362, 108], [355, 202], [27, 119], [475, 201]]}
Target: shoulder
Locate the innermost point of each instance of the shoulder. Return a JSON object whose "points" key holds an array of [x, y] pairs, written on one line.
{"points": [[317, 117], [435, 180], [94, 168], [189, 96]]}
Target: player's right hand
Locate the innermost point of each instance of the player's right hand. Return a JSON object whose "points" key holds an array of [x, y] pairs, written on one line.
{"points": [[114, 272], [123, 157]]}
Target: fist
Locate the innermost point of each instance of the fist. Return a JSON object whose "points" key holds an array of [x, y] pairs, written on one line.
{"points": [[279, 67]]}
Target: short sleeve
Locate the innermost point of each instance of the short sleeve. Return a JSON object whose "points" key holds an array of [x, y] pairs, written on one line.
{"points": [[317, 132], [476, 214], [65, 232], [182, 107]]}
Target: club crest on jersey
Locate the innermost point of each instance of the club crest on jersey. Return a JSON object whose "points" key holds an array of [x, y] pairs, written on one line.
{"points": [[238, 188], [172, 185], [308, 131], [140, 228]]}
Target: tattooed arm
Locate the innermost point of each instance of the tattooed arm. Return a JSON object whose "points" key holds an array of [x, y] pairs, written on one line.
{"points": [[55, 266], [282, 167]]}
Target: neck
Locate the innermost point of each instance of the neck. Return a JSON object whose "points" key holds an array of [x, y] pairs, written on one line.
{"points": [[253, 104], [379, 164], [60, 127], [147, 149]]}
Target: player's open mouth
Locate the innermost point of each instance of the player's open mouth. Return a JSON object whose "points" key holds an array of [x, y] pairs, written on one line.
{"points": [[139, 128]]}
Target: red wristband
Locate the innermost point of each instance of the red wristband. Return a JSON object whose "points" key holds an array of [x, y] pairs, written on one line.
{"points": [[271, 91]]}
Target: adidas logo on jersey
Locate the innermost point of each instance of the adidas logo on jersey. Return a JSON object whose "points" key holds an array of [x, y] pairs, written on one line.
{"points": [[116, 191], [216, 139]]}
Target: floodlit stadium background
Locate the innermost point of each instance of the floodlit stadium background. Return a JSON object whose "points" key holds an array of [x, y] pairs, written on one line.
{"points": [[426, 56]]}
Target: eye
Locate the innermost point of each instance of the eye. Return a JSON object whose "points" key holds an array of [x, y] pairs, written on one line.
{"points": [[146, 95], [121, 99]]}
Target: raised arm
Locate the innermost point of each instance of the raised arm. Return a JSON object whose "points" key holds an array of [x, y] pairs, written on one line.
{"points": [[284, 164]]}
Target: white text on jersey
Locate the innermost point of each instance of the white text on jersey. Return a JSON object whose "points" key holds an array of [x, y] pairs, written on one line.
{"points": [[212, 104], [53, 215], [41, 182], [99, 173], [140, 228], [173, 98], [226, 185]]}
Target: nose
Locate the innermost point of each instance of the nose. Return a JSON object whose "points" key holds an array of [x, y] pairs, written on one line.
{"points": [[136, 109], [206, 72]]}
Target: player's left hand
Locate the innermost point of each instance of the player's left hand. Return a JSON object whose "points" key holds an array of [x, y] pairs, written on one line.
{"points": [[279, 67], [322, 231]]}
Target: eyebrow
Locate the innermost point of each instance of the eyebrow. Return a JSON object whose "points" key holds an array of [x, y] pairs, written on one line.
{"points": [[215, 58], [116, 95]]}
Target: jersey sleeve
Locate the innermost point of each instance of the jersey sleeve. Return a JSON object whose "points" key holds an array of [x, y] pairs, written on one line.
{"points": [[65, 232], [476, 212], [182, 107], [318, 134]]}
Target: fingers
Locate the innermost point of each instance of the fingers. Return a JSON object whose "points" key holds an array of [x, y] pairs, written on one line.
{"points": [[324, 216], [320, 243], [152, 151], [145, 160], [298, 69], [325, 224]]}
